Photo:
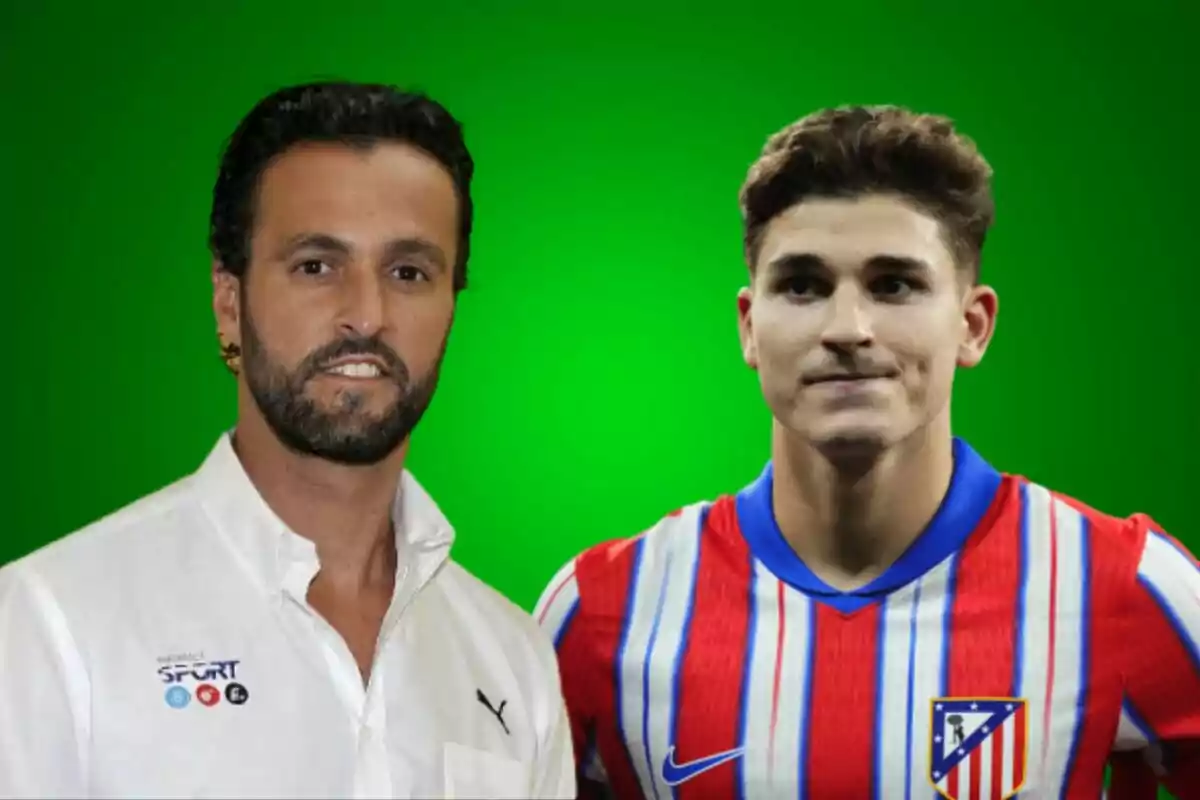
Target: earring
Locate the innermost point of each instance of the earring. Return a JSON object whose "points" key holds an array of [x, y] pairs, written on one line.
{"points": [[231, 354]]}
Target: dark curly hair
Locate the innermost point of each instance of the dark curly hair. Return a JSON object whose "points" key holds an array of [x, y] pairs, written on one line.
{"points": [[356, 114], [855, 150]]}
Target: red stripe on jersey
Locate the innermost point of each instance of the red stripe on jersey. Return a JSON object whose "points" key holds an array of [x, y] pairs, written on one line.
{"points": [[587, 655], [1160, 681], [714, 659], [841, 726], [983, 614]]}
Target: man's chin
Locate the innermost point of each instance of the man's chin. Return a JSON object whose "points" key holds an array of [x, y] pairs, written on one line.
{"points": [[852, 449], [349, 451]]}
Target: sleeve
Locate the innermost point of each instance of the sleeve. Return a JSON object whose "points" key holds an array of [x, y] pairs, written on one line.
{"points": [[1160, 715], [557, 611], [43, 694]]}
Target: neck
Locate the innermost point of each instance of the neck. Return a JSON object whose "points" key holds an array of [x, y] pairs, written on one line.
{"points": [[346, 511], [850, 523]]}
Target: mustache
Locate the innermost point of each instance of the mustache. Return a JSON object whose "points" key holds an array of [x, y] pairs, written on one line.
{"points": [[317, 360]]}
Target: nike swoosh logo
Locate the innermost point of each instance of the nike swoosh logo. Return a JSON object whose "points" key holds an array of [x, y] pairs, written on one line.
{"points": [[675, 774]]}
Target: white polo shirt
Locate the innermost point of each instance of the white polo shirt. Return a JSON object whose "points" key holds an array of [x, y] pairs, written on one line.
{"points": [[168, 650]]}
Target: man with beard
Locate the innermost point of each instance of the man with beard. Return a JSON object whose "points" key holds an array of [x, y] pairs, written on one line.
{"points": [[286, 622]]}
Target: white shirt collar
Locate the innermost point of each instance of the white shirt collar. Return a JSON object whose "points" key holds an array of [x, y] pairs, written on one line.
{"points": [[281, 559]]}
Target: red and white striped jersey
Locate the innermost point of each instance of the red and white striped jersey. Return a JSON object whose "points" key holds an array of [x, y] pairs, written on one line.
{"points": [[1021, 644]]}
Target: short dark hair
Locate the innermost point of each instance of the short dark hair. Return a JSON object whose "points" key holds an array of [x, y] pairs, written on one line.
{"points": [[356, 114], [855, 150]]}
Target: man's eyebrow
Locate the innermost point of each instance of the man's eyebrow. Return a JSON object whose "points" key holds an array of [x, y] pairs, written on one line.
{"points": [[898, 263], [795, 262], [313, 241], [416, 246]]}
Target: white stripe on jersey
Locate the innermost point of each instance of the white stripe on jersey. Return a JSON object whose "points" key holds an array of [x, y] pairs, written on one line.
{"points": [[919, 655], [1034, 619], [772, 734], [1052, 669], [1067, 697], [657, 616], [1174, 581], [557, 603], [896, 707]]}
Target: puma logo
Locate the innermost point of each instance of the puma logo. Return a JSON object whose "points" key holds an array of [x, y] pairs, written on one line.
{"points": [[497, 712]]}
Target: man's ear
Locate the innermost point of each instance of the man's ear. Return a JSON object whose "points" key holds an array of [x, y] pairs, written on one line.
{"points": [[227, 311], [980, 306], [745, 300]]}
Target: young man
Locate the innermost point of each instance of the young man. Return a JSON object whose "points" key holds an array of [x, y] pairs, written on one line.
{"points": [[880, 614], [287, 621]]}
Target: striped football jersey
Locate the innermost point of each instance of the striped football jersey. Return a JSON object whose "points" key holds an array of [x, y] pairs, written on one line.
{"points": [[1020, 645]]}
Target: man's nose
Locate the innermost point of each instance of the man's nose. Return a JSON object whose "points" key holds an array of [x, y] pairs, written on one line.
{"points": [[849, 325], [363, 310]]}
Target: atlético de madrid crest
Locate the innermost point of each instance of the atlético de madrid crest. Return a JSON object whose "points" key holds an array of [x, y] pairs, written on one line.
{"points": [[977, 747]]}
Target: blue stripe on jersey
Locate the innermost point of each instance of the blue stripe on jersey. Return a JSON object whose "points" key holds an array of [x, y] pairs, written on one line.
{"points": [[1018, 684], [747, 664], [623, 646], [677, 668], [651, 767], [810, 656], [566, 624], [877, 737], [910, 710], [973, 487], [1085, 615]]}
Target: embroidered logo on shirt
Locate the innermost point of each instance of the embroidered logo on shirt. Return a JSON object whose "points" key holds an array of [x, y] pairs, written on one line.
{"points": [[498, 712], [213, 680], [978, 741], [675, 773]]}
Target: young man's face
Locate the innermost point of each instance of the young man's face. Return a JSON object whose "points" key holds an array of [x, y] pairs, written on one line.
{"points": [[343, 313], [857, 319]]}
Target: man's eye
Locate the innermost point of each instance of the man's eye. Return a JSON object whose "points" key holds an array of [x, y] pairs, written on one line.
{"points": [[409, 273], [802, 286], [893, 286], [313, 266]]}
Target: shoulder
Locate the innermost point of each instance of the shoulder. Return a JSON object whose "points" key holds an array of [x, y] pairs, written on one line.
{"points": [[1126, 553], [64, 592], [89, 556], [1127, 539]]}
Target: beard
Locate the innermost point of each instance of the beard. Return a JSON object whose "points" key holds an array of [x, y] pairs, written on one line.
{"points": [[345, 433]]}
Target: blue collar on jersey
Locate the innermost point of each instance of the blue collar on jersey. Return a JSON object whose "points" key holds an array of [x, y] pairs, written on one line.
{"points": [[973, 487]]}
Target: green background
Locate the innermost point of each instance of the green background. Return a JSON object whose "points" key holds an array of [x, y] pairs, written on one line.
{"points": [[593, 381]]}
